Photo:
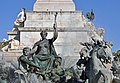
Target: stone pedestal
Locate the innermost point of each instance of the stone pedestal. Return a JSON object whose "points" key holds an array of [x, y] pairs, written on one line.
{"points": [[54, 5], [72, 26]]}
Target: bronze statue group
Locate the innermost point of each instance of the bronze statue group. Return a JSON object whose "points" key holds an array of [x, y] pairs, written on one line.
{"points": [[43, 61]]}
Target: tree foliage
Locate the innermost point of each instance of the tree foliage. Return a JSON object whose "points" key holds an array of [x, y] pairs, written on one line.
{"points": [[117, 54]]}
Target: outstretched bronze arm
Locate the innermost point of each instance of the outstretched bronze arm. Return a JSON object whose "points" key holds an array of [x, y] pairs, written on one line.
{"points": [[55, 35]]}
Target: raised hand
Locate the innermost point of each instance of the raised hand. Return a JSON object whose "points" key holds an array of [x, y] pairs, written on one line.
{"points": [[55, 24], [56, 16]]}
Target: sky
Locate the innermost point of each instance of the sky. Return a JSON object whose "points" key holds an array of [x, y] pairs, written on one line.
{"points": [[107, 16]]}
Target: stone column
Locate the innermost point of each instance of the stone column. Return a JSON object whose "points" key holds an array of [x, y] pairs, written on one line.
{"points": [[54, 5]]}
